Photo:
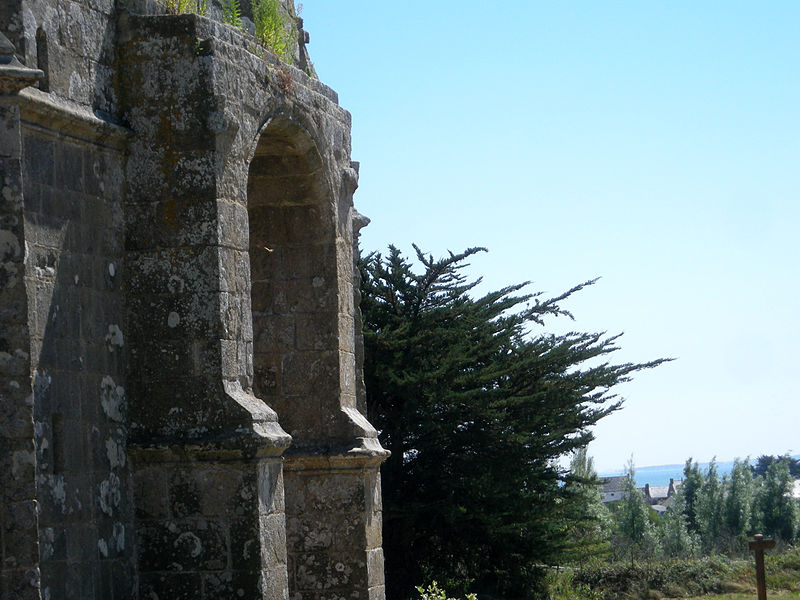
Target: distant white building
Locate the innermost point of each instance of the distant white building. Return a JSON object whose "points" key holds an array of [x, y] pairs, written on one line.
{"points": [[613, 488]]}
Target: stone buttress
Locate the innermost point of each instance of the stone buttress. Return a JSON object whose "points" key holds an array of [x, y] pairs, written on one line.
{"points": [[179, 337]]}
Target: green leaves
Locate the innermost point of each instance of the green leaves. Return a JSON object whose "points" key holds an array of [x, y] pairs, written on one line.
{"points": [[231, 13], [273, 30], [476, 410]]}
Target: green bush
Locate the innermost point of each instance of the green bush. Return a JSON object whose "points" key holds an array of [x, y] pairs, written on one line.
{"points": [[561, 585], [434, 592], [674, 578]]}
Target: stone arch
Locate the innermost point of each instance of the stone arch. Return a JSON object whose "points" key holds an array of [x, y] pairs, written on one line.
{"points": [[293, 272]]}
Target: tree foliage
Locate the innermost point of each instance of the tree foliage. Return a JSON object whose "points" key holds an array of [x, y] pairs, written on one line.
{"points": [[475, 410], [764, 461], [778, 508], [676, 538], [713, 515], [636, 534], [709, 505], [591, 524]]}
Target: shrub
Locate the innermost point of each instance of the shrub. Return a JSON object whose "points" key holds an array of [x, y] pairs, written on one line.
{"points": [[434, 592]]}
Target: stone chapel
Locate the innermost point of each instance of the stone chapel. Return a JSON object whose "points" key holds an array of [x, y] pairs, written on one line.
{"points": [[181, 395]]}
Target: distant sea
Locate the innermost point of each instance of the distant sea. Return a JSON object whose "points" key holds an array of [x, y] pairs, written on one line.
{"points": [[660, 475]]}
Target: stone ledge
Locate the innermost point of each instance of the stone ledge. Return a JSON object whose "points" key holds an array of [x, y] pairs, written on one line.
{"points": [[367, 456], [266, 440], [49, 113]]}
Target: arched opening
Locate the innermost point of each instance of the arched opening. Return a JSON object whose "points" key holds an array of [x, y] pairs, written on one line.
{"points": [[293, 281], [42, 59]]}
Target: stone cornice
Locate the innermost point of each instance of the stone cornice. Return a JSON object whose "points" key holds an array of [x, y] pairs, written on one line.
{"points": [[53, 114]]}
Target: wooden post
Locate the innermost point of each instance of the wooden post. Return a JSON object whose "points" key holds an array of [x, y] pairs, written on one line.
{"points": [[758, 545]]}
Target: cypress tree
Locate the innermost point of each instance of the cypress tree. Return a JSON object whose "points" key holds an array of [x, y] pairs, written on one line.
{"points": [[476, 410]]}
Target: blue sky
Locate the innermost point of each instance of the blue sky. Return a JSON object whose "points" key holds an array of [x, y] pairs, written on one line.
{"points": [[655, 145]]}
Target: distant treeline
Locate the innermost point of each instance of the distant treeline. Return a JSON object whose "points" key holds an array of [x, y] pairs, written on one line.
{"points": [[708, 514]]}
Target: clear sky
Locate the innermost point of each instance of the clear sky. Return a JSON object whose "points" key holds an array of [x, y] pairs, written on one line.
{"points": [[654, 144]]}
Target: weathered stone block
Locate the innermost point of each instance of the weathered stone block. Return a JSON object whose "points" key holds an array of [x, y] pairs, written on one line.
{"points": [[231, 584], [211, 490], [21, 549], [150, 492], [53, 543], [246, 544], [317, 331], [274, 333], [308, 533], [317, 571], [69, 167], [182, 546], [306, 296], [123, 580], [175, 586], [305, 372], [39, 159]]}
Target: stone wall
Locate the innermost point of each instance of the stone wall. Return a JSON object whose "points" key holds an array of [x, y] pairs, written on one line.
{"points": [[73, 189], [178, 293]]}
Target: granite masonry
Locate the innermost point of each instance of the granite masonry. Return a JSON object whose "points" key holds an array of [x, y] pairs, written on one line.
{"points": [[181, 396]]}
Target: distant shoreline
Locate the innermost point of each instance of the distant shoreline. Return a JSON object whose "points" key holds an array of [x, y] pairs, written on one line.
{"points": [[661, 474]]}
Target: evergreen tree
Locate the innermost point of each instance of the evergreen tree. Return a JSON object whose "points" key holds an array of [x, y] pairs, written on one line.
{"points": [[636, 535], [676, 539], [708, 509], [590, 530], [764, 461], [778, 508], [739, 505], [692, 482], [475, 411]]}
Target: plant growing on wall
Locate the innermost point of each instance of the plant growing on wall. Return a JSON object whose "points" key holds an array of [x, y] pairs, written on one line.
{"points": [[181, 7], [272, 28], [231, 13]]}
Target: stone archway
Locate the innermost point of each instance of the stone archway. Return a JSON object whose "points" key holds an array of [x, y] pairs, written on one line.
{"points": [[301, 274], [293, 275]]}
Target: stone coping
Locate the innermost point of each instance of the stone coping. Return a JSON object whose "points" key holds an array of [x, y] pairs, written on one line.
{"points": [[51, 113]]}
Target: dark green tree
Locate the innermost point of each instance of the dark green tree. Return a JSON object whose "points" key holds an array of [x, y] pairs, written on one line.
{"points": [[475, 410], [765, 460], [692, 482]]}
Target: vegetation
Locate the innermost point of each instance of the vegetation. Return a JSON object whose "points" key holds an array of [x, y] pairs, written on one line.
{"points": [[231, 13], [700, 545], [434, 592], [180, 7], [476, 410], [680, 578], [273, 29], [764, 461]]}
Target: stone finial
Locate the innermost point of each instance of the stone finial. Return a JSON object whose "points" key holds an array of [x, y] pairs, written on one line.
{"points": [[14, 76]]}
